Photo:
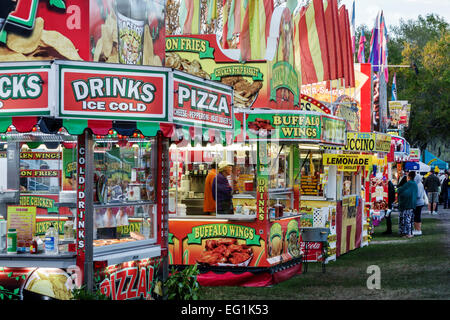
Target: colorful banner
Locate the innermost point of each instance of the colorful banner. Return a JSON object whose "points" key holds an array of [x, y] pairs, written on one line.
{"points": [[347, 162], [127, 31], [46, 30], [112, 92], [414, 154], [202, 103], [271, 83], [255, 243], [24, 89], [351, 104], [399, 113]]}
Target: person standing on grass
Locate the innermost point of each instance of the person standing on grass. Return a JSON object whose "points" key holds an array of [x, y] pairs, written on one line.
{"points": [[391, 200], [400, 182], [407, 199], [445, 190], [417, 231], [432, 185]]}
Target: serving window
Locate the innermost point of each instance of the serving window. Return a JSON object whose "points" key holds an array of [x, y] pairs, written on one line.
{"points": [[124, 190], [313, 175], [191, 163]]}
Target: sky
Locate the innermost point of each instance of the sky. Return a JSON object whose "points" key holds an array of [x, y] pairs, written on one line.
{"points": [[394, 10]]}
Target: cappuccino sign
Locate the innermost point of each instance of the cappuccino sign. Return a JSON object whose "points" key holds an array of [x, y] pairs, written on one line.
{"points": [[24, 89], [112, 92]]}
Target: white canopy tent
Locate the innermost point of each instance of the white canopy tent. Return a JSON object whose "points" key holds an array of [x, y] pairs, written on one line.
{"points": [[424, 167]]}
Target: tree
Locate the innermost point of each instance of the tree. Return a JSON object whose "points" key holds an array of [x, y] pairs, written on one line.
{"points": [[424, 42]]}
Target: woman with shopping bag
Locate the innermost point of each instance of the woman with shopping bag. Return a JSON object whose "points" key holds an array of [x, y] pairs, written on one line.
{"points": [[422, 200]]}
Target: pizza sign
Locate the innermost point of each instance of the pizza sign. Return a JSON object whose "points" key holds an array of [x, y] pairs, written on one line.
{"points": [[202, 103]]}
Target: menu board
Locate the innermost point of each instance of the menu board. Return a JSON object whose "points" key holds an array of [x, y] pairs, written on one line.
{"points": [[23, 219], [310, 186]]}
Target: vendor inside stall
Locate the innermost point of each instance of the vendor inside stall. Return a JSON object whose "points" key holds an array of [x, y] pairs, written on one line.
{"points": [[229, 186]]}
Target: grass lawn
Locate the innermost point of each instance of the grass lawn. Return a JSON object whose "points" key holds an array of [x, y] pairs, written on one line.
{"points": [[418, 268]]}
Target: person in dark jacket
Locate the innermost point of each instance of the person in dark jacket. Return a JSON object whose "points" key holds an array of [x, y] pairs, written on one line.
{"points": [[445, 191], [407, 200], [401, 179], [391, 200], [431, 186], [221, 189]]}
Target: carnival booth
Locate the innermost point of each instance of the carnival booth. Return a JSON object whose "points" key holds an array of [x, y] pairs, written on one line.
{"points": [[83, 149], [259, 242], [362, 166], [85, 180], [274, 150]]}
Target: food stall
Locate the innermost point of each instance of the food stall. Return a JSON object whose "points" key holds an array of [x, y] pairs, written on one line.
{"points": [[72, 129], [259, 243], [374, 148], [85, 166]]}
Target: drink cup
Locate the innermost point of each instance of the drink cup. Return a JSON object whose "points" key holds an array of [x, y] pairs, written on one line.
{"points": [[130, 27]]}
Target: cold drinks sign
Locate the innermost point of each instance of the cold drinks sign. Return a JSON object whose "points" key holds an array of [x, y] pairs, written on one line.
{"points": [[112, 92]]}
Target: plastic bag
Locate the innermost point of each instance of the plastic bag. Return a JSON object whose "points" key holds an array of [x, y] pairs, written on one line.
{"points": [[425, 199]]}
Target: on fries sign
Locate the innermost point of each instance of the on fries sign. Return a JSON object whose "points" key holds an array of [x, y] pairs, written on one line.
{"points": [[24, 89], [203, 103], [110, 92]]}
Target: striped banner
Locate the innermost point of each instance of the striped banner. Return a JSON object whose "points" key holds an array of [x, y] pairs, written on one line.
{"points": [[332, 37], [314, 44], [351, 64], [345, 45], [212, 10], [255, 29], [190, 16]]}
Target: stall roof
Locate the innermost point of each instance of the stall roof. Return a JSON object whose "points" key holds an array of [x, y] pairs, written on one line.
{"points": [[103, 97]]}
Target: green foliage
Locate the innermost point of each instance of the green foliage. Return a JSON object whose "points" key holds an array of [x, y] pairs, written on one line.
{"points": [[424, 42], [183, 285], [84, 294]]}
